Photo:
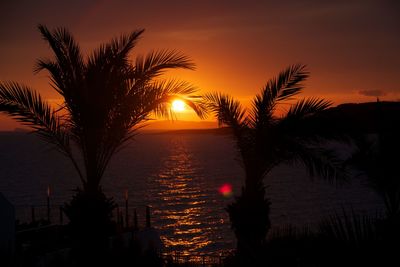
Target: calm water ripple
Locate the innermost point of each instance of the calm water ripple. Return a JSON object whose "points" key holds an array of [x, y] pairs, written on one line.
{"points": [[180, 208], [179, 177]]}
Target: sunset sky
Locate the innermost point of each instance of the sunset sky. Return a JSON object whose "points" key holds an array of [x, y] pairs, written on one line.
{"points": [[351, 47]]}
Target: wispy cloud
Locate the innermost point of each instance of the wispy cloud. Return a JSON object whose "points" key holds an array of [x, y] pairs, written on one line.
{"points": [[373, 92]]}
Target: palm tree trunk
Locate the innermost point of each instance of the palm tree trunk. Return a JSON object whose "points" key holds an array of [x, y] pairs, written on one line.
{"points": [[249, 216], [90, 148]]}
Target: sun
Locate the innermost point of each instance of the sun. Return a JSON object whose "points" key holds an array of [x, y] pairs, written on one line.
{"points": [[178, 105]]}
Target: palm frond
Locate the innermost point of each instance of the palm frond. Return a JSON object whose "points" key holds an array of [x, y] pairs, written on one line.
{"points": [[283, 87], [350, 228], [297, 120], [66, 50], [307, 107], [125, 42], [320, 162], [101, 96], [288, 83], [260, 114], [227, 110], [157, 62], [27, 107], [290, 232], [156, 98], [305, 120], [129, 116], [68, 69], [198, 104], [56, 74], [115, 53]]}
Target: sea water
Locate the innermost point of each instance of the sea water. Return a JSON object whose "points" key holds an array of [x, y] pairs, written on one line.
{"points": [[178, 176]]}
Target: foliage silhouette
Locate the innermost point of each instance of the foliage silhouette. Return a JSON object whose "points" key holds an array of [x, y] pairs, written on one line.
{"points": [[106, 99], [264, 140], [350, 228], [377, 157], [90, 216]]}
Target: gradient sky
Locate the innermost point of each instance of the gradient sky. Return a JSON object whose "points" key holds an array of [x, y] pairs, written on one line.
{"points": [[351, 47]]}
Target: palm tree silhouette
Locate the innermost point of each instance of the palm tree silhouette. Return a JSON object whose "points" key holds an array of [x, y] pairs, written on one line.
{"points": [[106, 98], [265, 140]]}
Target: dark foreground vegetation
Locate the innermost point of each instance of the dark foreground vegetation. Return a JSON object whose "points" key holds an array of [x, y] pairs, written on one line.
{"points": [[54, 246], [344, 239]]}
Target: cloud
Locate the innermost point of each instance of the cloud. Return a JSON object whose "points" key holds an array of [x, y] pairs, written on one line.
{"points": [[373, 92]]}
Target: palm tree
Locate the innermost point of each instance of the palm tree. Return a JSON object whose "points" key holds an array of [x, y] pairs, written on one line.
{"points": [[265, 140], [106, 99]]}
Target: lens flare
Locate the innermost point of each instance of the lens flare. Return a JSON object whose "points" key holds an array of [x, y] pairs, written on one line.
{"points": [[226, 190]]}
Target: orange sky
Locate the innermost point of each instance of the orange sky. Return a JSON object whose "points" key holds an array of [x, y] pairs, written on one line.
{"points": [[351, 47]]}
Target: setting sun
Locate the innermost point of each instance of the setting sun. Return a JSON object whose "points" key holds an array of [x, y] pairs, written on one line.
{"points": [[178, 105]]}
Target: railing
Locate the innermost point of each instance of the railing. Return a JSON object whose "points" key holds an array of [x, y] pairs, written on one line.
{"points": [[125, 215], [40, 213], [195, 260], [44, 216]]}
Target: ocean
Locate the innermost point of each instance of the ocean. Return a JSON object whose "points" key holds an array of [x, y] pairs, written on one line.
{"points": [[178, 176]]}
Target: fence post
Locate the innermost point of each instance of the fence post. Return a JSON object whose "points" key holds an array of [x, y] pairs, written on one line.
{"points": [[48, 204], [33, 213], [61, 215], [135, 220], [118, 219], [148, 221], [176, 257], [121, 216], [126, 209]]}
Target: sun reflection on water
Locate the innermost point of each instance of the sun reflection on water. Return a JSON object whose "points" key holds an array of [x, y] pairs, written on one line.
{"points": [[182, 207]]}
